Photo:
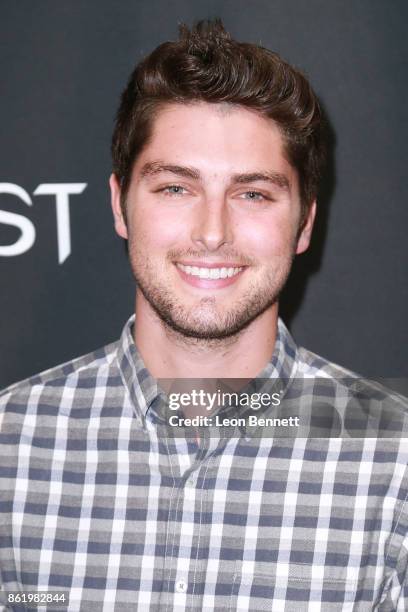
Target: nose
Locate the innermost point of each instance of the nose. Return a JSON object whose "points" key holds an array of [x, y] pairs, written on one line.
{"points": [[212, 225]]}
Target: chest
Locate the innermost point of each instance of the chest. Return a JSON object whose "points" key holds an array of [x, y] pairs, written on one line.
{"points": [[246, 526]]}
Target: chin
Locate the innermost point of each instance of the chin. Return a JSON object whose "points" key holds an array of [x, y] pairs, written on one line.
{"points": [[209, 326]]}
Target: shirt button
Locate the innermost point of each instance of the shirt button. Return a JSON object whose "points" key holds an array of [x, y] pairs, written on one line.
{"points": [[190, 482], [181, 586]]}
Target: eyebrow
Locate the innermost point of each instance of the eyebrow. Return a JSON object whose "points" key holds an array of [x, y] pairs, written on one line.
{"points": [[152, 168], [276, 178]]}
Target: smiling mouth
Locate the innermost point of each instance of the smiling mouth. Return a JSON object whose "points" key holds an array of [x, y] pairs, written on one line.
{"points": [[210, 273]]}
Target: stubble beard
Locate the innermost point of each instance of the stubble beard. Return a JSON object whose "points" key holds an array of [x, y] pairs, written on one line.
{"points": [[206, 321]]}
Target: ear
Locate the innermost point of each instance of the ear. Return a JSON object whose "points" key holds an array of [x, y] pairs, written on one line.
{"points": [[306, 233], [120, 224]]}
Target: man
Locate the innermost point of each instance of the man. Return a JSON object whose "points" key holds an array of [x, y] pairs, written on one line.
{"points": [[110, 503]]}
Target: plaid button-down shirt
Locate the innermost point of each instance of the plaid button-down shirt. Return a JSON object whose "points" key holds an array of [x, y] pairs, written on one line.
{"points": [[98, 503]]}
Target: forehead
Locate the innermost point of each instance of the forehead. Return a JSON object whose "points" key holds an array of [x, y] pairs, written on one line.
{"points": [[217, 138]]}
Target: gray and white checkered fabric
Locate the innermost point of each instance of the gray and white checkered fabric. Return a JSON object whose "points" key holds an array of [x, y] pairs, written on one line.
{"points": [[96, 501]]}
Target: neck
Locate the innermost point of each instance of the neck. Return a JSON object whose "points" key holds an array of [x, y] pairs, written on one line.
{"points": [[168, 354]]}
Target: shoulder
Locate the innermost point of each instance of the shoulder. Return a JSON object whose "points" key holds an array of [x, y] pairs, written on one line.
{"points": [[365, 404], [311, 364], [51, 385]]}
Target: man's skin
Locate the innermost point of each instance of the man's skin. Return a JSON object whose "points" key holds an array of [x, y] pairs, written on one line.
{"points": [[222, 328]]}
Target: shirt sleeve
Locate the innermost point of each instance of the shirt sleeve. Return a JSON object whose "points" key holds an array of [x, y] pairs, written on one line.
{"points": [[402, 605], [3, 606], [398, 591]]}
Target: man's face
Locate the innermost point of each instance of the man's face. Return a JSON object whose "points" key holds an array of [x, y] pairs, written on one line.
{"points": [[213, 212]]}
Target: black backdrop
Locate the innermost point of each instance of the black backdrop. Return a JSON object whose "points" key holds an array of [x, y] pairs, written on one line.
{"points": [[63, 65]]}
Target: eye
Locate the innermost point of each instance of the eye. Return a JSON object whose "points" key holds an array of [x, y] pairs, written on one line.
{"points": [[254, 196], [173, 190]]}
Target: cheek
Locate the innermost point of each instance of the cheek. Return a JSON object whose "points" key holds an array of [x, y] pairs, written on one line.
{"points": [[157, 228], [265, 238]]}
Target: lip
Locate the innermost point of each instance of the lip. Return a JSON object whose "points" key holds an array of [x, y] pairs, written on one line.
{"points": [[206, 283], [203, 264]]}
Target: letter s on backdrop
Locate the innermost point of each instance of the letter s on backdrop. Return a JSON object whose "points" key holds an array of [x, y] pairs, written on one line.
{"points": [[27, 229]]}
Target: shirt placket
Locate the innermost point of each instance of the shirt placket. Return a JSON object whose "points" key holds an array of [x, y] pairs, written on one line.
{"points": [[188, 464]]}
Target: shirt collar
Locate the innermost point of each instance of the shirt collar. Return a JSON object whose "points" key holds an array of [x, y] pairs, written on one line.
{"points": [[144, 389], [283, 363]]}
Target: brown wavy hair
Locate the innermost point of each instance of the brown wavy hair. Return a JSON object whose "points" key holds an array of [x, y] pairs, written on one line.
{"points": [[207, 65]]}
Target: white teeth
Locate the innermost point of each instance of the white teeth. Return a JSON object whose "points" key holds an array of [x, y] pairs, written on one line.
{"points": [[209, 273]]}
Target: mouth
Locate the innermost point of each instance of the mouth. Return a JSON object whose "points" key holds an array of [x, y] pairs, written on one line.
{"points": [[209, 276], [213, 273]]}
